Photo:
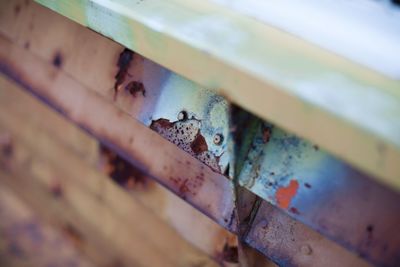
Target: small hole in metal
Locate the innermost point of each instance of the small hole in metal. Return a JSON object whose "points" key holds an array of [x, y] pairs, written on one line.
{"points": [[218, 139], [183, 115]]}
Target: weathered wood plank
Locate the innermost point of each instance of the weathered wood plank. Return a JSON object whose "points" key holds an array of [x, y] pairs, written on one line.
{"points": [[39, 120], [85, 55], [145, 148], [95, 203], [28, 241]]}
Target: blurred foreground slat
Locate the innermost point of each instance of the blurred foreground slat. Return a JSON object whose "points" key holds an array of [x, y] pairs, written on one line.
{"points": [[26, 240], [107, 222]]}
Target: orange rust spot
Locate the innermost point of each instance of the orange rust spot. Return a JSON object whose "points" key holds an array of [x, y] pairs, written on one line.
{"points": [[284, 195]]}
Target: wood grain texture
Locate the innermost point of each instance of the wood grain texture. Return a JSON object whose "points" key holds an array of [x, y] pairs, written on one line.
{"points": [[143, 147], [38, 120], [28, 241], [107, 222]]}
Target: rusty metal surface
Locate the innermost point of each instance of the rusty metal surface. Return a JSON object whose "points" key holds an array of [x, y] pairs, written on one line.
{"points": [[288, 242], [186, 114], [324, 193]]}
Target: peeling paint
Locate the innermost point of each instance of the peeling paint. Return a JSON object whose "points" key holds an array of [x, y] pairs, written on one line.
{"points": [[182, 100], [284, 195], [187, 136]]}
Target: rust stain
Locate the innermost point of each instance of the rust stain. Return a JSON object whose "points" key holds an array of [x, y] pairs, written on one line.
{"points": [[7, 150], [266, 134], [284, 195], [135, 87], [226, 247], [370, 231], [6, 145], [294, 210], [17, 9], [16, 250], [183, 189], [163, 123], [230, 253], [124, 62], [73, 234], [56, 190], [58, 60], [199, 144], [121, 171], [186, 187]]}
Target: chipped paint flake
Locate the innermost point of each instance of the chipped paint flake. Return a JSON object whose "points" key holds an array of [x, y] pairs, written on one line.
{"points": [[284, 195]]}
